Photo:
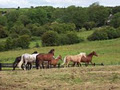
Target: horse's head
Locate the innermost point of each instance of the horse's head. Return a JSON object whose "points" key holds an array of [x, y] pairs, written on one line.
{"points": [[52, 51], [35, 52], [94, 53]]}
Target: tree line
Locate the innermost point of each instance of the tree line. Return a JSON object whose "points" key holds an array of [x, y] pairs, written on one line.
{"points": [[59, 23]]}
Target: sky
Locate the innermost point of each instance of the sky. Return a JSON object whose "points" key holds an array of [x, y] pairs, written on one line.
{"points": [[55, 3]]}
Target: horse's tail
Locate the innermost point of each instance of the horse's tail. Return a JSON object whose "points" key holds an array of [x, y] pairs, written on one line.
{"points": [[21, 62], [64, 61], [37, 63]]}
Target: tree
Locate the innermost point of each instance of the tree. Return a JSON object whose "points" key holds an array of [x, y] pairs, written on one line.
{"points": [[115, 22], [98, 14], [3, 32], [23, 41], [50, 38], [37, 15], [3, 20]]}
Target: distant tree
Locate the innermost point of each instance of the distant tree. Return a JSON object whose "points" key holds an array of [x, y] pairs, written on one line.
{"points": [[98, 14], [50, 38], [3, 20], [24, 19], [115, 22], [3, 32], [37, 15]]}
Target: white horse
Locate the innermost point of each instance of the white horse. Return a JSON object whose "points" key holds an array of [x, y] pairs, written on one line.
{"points": [[73, 58], [27, 58]]}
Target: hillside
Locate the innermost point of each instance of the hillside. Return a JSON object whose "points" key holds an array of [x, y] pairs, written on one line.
{"points": [[108, 51]]}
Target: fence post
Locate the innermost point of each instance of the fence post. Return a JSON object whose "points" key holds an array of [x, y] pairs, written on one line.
{"points": [[0, 66]]}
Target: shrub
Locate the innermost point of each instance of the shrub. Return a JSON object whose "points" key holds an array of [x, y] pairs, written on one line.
{"points": [[63, 39], [89, 25], [99, 34], [2, 46], [50, 38], [23, 41], [9, 43], [111, 32], [3, 33], [105, 33], [73, 38]]}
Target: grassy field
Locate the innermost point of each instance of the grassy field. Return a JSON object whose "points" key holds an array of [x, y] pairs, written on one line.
{"points": [[73, 78], [77, 78], [108, 50]]}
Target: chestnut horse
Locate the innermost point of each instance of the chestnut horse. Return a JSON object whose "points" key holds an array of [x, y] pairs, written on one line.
{"points": [[73, 58], [88, 58], [40, 58], [55, 61]]}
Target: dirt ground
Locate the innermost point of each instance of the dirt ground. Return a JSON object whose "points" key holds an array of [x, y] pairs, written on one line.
{"points": [[71, 78]]}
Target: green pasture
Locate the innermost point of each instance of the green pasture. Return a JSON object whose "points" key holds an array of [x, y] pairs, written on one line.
{"points": [[108, 50]]}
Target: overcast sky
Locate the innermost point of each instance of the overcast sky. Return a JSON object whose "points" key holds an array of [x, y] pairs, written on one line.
{"points": [[55, 3]]}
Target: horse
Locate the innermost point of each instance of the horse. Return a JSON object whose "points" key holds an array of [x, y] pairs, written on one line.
{"points": [[17, 60], [40, 58], [73, 58], [27, 58], [55, 61], [88, 58]]}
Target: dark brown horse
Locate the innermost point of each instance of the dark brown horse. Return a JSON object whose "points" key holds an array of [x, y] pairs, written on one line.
{"points": [[40, 58], [88, 58], [17, 60], [54, 62]]}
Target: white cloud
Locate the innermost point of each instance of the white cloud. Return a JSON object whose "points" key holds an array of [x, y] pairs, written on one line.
{"points": [[55, 3]]}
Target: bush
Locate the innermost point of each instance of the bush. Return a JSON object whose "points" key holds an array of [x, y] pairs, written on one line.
{"points": [[3, 33], [111, 32], [63, 39], [73, 38], [89, 25], [23, 41], [2, 46], [105, 33], [50, 38], [9, 44], [99, 34]]}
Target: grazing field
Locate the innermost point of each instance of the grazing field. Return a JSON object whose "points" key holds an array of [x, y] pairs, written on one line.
{"points": [[108, 51], [71, 78]]}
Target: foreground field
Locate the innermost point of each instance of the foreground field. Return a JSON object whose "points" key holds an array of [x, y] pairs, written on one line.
{"points": [[77, 78]]}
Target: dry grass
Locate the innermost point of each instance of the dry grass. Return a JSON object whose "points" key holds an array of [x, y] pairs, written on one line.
{"points": [[72, 78]]}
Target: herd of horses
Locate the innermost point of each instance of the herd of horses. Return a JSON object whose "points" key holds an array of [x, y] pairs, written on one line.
{"points": [[25, 61]]}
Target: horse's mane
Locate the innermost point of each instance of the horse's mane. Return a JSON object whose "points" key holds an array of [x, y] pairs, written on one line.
{"points": [[52, 51]]}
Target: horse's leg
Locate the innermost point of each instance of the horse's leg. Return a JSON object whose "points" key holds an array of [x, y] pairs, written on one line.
{"points": [[48, 64], [43, 64], [74, 64], [92, 63], [30, 65], [37, 63], [14, 66], [78, 64]]}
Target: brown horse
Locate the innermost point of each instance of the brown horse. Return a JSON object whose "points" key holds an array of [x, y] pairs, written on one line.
{"points": [[40, 58], [55, 61], [88, 58], [73, 58]]}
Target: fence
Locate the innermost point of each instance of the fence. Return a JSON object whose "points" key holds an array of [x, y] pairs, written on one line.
{"points": [[10, 65]]}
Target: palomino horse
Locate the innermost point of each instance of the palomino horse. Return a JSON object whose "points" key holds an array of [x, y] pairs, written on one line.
{"points": [[55, 61], [88, 58], [40, 58], [27, 58], [73, 58]]}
